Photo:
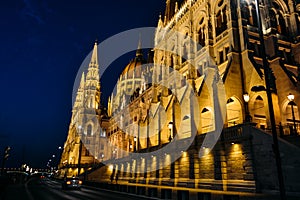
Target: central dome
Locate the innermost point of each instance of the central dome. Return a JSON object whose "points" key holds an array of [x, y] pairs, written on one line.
{"points": [[132, 76], [134, 68]]}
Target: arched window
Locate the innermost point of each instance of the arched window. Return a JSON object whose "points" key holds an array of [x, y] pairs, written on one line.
{"points": [[292, 113], [253, 18], [207, 120], [171, 63], [259, 112], [245, 10], [184, 53], [277, 18], [273, 20], [221, 21], [234, 112], [201, 33], [201, 37], [89, 130], [282, 29]]}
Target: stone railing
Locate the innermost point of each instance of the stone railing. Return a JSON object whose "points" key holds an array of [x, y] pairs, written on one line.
{"points": [[221, 36]]}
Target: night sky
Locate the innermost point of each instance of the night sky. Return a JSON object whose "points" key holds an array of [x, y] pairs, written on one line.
{"points": [[43, 43]]}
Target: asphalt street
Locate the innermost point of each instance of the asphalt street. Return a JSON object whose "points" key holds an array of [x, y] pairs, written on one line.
{"points": [[47, 189]]}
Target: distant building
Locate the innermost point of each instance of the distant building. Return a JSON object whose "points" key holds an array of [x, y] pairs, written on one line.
{"points": [[183, 90]]}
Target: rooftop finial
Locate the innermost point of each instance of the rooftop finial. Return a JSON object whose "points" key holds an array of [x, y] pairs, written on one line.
{"points": [[160, 22], [176, 7], [94, 59]]}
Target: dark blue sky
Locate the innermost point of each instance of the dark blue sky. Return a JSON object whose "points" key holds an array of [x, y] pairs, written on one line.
{"points": [[42, 45]]}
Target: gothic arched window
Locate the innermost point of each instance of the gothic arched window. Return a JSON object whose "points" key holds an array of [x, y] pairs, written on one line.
{"points": [[245, 10], [184, 53], [89, 130], [277, 18], [273, 20], [201, 33], [282, 29], [221, 21], [201, 36], [207, 120], [253, 18]]}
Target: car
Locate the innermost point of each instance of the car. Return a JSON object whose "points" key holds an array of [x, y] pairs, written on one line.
{"points": [[71, 183]]}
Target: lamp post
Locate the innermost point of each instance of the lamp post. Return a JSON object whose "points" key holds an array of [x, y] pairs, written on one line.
{"points": [[291, 98], [102, 157], [247, 114], [79, 157], [170, 126], [267, 75], [59, 157], [135, 143], [5, 157], [130, 145]]}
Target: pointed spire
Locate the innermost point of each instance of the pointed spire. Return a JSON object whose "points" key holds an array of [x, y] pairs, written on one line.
{"points": [[82, 80], [80, 94], [139, 51], [176, 7], [93, 69], [94, 59], [109, 109], [160, 22]]}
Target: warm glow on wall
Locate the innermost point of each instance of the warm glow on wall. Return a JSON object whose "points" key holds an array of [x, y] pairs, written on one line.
{"points": [[184, 153], [206, 150], [235, 148]]}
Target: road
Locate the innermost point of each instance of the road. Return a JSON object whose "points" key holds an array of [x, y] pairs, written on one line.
{"points": [[47, 189]]}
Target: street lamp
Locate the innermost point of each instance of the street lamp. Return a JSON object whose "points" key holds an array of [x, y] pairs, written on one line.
{"points": [[247, 114], [268, 79], [291, 98], [5, 157]]}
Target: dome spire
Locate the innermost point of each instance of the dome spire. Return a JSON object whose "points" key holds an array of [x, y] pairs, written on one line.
{"points": [[139, 49]]}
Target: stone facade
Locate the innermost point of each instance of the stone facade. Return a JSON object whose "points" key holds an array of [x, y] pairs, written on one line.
{"points": [[207, 60]]}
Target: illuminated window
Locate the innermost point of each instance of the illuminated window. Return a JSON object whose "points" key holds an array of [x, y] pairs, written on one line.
{"points": [[103, 133], [234, 115], [259, 112]]}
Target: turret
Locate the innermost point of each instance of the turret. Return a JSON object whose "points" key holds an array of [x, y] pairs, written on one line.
{"points": [[160, 23], [92, 85], [170, 9]]}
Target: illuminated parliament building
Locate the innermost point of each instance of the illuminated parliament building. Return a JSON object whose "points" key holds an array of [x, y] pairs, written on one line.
{"points": [[223, 80]]}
